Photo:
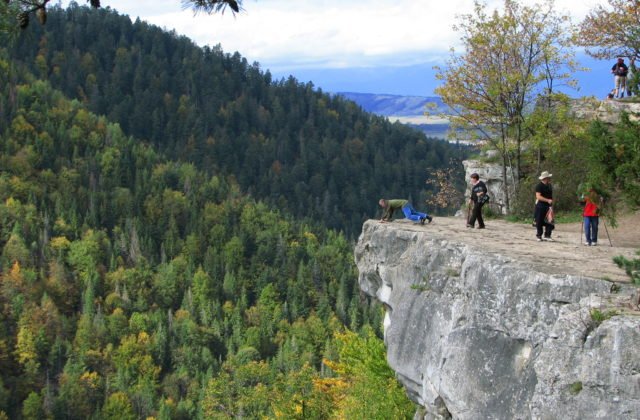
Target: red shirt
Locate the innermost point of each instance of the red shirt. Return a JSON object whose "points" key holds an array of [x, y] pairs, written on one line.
{"points": [[590, 208]]}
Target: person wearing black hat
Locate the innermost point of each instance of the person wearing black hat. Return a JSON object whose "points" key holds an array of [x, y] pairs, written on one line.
{"points": [[544, 201], [477, 200]]}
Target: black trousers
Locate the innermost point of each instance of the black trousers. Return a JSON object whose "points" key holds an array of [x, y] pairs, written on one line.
{"points": [[540, 214], [476, 213]]}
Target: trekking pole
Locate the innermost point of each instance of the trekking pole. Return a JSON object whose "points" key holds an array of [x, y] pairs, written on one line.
{"points": [[607, 230], [605, 224]]}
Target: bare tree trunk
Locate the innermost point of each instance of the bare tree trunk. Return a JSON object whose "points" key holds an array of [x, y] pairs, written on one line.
{"points": [[506, 182]]}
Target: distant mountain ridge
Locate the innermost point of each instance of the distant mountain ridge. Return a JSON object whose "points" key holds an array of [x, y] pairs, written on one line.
{"points": [[395, 105], [409, 110]]}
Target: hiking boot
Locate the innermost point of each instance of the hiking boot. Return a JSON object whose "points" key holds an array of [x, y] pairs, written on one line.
{"points": [[469, 226], [587, 244], [548, 239], [538, 238], [480, 227], [594, 244]]}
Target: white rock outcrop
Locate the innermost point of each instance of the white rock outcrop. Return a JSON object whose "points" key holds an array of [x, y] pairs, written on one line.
{"points": [[607, 111], [479, 335], [491, 175]]}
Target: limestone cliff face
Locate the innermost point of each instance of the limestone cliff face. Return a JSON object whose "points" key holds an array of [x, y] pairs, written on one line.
{"points": [[476, 335]]}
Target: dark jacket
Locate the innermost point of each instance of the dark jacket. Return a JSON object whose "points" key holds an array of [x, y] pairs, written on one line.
{"points": [[479, 187], [620, 69]]}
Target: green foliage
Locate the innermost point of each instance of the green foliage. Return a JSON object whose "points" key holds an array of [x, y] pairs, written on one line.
{"points": [[371, 389], [512, 57], [631, 267], [575, 388], [118, 406], [598, 317], [134, 286], [615, 158], [312, 155]]}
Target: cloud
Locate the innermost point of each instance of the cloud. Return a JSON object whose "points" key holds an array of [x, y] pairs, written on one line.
{"points": [[325, 33]]}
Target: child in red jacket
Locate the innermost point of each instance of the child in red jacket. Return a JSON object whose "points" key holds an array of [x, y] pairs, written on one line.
{"points": [[591, 214]]}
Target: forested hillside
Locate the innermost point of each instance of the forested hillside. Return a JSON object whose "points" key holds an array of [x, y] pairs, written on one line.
{"points": [[135, 286], [283, 141]]}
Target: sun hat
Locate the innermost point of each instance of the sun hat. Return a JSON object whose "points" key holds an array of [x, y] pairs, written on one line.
{"points": [[544, 175]]}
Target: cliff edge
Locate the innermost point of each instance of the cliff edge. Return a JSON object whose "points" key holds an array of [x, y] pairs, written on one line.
{"points": [[492, 324]]}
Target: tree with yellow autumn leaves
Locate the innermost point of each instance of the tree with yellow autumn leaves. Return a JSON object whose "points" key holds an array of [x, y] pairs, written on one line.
{"points": [[611, 30], [511, 58]]}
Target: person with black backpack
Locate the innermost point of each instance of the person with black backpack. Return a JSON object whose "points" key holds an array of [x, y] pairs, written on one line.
{"points": [[619, 71], [478, 198]]}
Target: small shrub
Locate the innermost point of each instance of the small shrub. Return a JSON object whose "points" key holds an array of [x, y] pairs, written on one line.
{"points": [[598, 317], [631, 267]]}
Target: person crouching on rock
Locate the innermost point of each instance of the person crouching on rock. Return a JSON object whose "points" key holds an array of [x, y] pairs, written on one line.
{"points": [[477, 200], [390, 206]]}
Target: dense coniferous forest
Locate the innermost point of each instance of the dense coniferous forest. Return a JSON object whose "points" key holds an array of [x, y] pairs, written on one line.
{"points": [[176, 231], [285, 142], [134, 286]]}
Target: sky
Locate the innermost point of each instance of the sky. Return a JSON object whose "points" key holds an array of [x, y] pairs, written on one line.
{"points": [[367, 46]]}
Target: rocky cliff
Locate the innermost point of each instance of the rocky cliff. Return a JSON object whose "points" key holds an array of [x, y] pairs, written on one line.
{"points": [[491, 324], [607, 111]]}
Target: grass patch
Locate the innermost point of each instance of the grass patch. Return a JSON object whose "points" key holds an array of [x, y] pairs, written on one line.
{"points": [[598, 317], [422, 286], [575, 388]]}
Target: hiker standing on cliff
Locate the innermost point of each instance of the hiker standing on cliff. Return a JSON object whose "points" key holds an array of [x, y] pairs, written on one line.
{"points": [[619, 71], [632, 82], [478, 198], [390, 206], [544, 200]]}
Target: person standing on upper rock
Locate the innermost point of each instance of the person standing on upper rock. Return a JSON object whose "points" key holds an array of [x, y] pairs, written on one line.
{"points": [[544, 200], [632, 82], [390, 206], [619, 71], [478, 198]]}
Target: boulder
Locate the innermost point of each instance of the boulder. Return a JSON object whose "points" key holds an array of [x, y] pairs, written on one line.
{"points": [[491, 174]]}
